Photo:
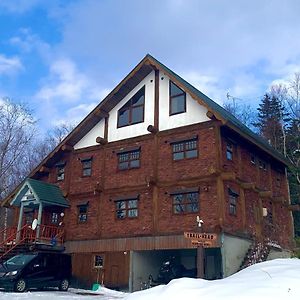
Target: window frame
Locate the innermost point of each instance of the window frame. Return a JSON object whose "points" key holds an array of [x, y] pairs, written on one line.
{"points": [[84, 168], [171, 97], [229, 150], [54, 220], [60, 171], [131, 107], [186, 202], [233, 202], [185, 149], [130, 159], [95, 260], [126, 209], [81, 220]]}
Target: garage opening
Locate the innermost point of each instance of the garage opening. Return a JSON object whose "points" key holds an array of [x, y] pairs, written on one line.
{"points": [[165, 265]]}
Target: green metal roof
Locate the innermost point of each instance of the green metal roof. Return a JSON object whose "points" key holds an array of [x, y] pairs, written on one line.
{"points": [[230, 118], [45, 193]]}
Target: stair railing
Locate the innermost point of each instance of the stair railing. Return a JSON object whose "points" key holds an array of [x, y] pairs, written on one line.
{"points": [[25, 234]]}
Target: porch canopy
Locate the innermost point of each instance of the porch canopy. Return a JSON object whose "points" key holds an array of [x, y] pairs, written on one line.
{"points": [[38, 194]]}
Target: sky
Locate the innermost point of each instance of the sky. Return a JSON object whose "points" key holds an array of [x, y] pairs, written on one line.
{"points": [[63, 56]]}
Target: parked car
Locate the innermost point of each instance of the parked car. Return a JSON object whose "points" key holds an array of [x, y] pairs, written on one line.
{"points": [[36, 270]]}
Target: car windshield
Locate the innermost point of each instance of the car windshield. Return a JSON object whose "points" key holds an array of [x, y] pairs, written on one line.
{"points": [[20, 260]]}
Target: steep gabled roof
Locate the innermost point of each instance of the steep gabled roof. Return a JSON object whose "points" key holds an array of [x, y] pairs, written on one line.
{"points": [[46, 193], [142, 69]]}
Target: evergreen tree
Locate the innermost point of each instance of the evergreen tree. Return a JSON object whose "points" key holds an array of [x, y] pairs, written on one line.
{"points": [[271, 121]]}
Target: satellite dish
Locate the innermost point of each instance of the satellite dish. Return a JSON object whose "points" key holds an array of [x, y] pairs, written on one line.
{"points": [[34, 224]]}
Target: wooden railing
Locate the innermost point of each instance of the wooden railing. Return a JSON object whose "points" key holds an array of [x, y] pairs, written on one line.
{"points": [[53, 234], [47, 234]]}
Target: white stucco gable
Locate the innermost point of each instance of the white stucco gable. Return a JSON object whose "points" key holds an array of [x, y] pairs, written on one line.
{"points": [[90, 138], [195, 112]]}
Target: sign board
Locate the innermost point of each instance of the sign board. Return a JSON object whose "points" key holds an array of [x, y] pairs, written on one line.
{"points": [[205, 240]]}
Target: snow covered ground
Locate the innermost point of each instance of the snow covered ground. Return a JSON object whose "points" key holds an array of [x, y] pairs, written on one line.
{"points": [[278, 279]]}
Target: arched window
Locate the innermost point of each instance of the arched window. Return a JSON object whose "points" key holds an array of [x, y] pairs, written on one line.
{"points": [[133, 111]]}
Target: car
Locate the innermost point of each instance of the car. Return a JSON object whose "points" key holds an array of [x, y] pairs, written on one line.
{"points": [[36, 270]]}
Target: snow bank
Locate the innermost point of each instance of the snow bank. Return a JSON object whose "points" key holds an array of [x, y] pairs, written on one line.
{"points": [[276, 279]]}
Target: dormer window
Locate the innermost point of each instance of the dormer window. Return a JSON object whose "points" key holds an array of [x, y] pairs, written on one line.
{"points": [[133, 111], [177, 99]]}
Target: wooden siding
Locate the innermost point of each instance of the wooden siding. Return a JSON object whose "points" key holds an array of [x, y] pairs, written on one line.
{"points": [[125, 244]]}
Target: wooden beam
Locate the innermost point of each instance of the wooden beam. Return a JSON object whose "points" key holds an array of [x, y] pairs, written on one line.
{"points": [[228, 176], [66, 148], [294, 207], [106, 128], [221, 200], [265, 194], [101, 113], [248, 185], [101, 140], [243, 207], [156, 100], [44, 169]]}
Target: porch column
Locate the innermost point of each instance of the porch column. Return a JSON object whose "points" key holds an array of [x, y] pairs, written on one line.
{"points": [[39, 220], [200, 262], [20, 221]]}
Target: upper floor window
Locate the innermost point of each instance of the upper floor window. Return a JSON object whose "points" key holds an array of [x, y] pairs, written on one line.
{"points": [[60, 171], [129, 159], [177, 99], [262, 165], [54, 218], [83, 212], [229, 151], [86, 166], [133, 111], [127, 208], [185, 149], [232, 201], [185, 202]]}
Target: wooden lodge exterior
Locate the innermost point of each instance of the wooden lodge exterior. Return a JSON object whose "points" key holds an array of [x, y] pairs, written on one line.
{"points": [[152, 159]]}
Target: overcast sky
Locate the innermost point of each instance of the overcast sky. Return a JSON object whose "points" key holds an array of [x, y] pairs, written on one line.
{"points": [[63, 57]]}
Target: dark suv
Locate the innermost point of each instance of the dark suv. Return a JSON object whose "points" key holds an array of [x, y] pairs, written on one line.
{"points": [[36, 270]]}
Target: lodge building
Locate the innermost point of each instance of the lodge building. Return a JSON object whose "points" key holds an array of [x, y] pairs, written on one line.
{"points": [[157, 169]]}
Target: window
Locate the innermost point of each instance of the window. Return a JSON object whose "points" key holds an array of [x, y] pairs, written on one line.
{"points": [[252, 159], [82, 212], [262, 165], [232, 201], [86, 166], [133, 111], [229, 151], [129, 160], [54, 218], [177, 99], [185, 149], [127, 208], [60, 171], [98, 262], [185, 202]]}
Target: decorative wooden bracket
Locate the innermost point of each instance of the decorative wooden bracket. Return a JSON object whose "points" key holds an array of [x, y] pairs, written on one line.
{"points": [[100, 140]]}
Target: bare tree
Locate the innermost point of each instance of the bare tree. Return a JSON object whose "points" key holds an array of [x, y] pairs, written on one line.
{"points": [[17, 130], [243, 112]]}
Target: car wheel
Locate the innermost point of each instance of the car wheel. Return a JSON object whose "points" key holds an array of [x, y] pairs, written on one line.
{"points": [[64, 285], [20, 285]]}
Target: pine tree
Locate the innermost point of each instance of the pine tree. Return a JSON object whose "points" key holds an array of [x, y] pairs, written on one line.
{"points": [[271, 121]]}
